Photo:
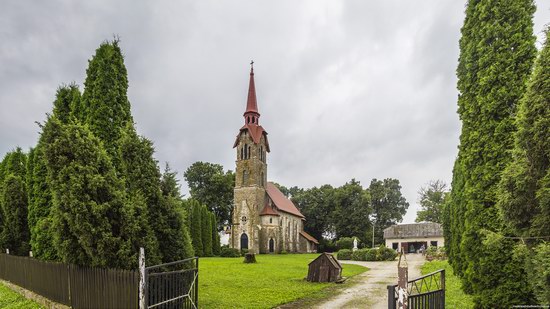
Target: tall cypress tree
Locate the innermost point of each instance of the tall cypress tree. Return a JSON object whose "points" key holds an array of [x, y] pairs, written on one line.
{"points": [[206, 232], [525, 185], [496, 54], [40, 200], [105, 106], [215, 236], [14, 233], [195, 229]]}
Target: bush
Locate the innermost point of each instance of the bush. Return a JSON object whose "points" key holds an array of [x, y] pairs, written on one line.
{"points": [[359, 255], [386, 254], [344, 254], [371, 254], [345, 243], [327, 245], [435, 253], [229, 252], [244, 252]]}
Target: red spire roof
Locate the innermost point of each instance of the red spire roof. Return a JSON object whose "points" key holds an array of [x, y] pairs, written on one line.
{"points": [[251, 103]]}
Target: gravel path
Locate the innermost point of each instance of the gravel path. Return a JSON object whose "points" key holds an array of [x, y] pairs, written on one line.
{"points": [[371, 291]]}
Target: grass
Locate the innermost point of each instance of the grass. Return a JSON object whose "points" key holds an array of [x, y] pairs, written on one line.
{"points": [[454, 296], [12, 300], [273, 281]]}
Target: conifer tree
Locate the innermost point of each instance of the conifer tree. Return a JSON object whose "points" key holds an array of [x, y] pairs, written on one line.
{"points": [[195, 229], [40, 200], [105, 106], [525, 185], [14, 232], [496, 54], [206, 232], [93, 224], [215, 236]]}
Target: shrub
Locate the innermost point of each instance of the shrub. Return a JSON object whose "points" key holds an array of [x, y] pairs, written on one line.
{"points": [[371, 254], [229, 252], [386, 254], [344, 243], [244, 252], [344, 254], [359, 255]]}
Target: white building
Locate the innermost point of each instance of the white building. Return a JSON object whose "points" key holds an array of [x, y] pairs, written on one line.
{"points": [[411, 237]]}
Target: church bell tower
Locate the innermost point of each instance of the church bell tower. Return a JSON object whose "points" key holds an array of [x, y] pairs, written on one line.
{"points": [[250, 176]]}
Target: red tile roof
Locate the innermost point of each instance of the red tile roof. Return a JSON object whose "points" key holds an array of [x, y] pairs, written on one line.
{"points": [[309, 237], [281, 201], [251, 102], [256, 134], [268, 211]]}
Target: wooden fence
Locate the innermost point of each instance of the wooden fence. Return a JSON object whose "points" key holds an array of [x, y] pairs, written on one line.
{"points": [[71, 285]]}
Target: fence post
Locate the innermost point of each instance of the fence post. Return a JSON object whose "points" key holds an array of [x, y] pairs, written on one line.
{"points": [[443, 286], [30, 253], [7, 251], [142, 284], [391, 296], [197, 286], [402, 280]]}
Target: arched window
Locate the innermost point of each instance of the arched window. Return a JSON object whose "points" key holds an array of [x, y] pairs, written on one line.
{"points": [[248, 119], [244, 241], [271, 245], [245, 151], [249, 152], [242, 153], [270, 220], [245, 177]]}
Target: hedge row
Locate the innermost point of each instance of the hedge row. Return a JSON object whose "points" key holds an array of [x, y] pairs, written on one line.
{"points": [[381, 253]]}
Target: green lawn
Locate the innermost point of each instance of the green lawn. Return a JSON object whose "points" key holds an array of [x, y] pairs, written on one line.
{"points": [[11, 300], [274, 280], [454, 296]]}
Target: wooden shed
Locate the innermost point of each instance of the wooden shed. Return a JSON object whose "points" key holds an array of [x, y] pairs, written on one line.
{"points": [[325, 268]]}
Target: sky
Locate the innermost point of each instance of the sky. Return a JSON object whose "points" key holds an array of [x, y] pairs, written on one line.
{"points": [[346, 89]]}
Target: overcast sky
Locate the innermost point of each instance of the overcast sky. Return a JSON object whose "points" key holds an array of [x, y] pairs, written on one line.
{"points": [[346, 89]]}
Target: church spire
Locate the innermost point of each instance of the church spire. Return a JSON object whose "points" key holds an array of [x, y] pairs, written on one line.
{"points": [[251, 114]]}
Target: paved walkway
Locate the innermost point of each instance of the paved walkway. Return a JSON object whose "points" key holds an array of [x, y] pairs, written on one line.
{"points": [[371, 291]]}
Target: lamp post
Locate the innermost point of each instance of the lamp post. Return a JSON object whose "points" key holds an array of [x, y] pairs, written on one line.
{"points": [[372, 217]]}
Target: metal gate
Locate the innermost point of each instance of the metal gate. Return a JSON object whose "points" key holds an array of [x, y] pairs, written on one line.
{"points": [[172, 285], [423, 292]]}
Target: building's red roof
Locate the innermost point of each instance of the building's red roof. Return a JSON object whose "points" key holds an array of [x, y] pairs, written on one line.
{"points": [[251, 103], [256, 134], [281, 201], [309, 237], [268, 211]]}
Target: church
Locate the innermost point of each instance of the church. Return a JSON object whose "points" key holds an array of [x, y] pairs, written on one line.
{"points": [[264, 220]]}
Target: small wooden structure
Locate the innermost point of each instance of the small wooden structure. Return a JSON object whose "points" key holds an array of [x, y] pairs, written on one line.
{"points": [[325, 268]]}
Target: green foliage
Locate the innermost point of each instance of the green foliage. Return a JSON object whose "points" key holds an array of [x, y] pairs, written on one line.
{"points": [[388, 205], [524, 193], [206, 231], [351, 215], [213, 187], [386, 254], [89, 208], [195, 228], [229, 252], [360, 255], [496, 55], [215, 235], [538, 270], [105, 106], [15, 233], [431, 199], [371, 254], [317, 205], [345, 243], [344, 254]]}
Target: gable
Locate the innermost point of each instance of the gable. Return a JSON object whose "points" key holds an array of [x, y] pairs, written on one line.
{"points": [[281, 201]]}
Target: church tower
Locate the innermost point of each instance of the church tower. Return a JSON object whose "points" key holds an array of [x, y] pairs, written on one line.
{"points": [[250, 176]]}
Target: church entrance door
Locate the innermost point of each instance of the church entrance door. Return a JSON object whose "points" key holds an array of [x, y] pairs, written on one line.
{"points": [[244, 241], [271, 245]]}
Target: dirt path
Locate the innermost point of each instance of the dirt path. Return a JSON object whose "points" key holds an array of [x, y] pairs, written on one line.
{"points": [[371, 291]]}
